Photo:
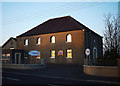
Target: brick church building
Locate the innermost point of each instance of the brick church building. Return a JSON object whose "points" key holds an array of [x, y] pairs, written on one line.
{"points": [[60, 40]]}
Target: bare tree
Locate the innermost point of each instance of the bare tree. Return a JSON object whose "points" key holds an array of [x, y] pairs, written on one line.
{"points": [[112, 37]]}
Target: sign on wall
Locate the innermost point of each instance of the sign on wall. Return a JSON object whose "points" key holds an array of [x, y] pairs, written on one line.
{"points": [[34, 53], [60, 53], [87, 51]]}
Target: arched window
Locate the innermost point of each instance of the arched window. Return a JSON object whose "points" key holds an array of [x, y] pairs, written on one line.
{"points": [[38, 40], [69, 38], [26, 42], [52, 39], [94, 54]]}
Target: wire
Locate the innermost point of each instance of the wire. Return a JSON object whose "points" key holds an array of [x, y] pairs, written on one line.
{"points": [[47, 13], [47, 10], [64, 9]]}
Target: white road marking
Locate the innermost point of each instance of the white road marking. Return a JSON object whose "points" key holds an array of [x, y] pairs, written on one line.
{"points": [[98, 81], [10, 78]]}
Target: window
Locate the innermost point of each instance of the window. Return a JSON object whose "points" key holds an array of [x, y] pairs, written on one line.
{"points": [[69, 53], [94, 54], [38, 41], [8, 55], [52, 39], [38, 57], [69, 38], [60, 53], [52, 53], [26, 42], [26, 55], [3, 54], [11, 47]]}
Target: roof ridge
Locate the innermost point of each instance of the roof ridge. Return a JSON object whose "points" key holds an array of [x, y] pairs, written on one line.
{"points": [[60, 17]]}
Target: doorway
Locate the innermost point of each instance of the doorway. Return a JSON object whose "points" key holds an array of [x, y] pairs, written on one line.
{"points": [[17, 58]]}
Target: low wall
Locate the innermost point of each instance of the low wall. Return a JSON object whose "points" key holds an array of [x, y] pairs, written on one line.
{"points": [[23, 66], [102, 71]]}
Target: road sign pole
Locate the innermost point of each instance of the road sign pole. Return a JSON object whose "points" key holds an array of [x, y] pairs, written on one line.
{"points": [[86, 62], [89, 59]]}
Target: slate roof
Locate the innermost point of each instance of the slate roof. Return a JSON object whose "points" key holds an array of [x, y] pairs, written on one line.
{"points": [[61, 24]]}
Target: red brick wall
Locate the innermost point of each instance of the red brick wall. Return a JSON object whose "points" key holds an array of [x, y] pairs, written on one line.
{"points": [[77, 46]]}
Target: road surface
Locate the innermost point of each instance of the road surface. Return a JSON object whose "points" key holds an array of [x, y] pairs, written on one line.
{"points": [[54, 75]]}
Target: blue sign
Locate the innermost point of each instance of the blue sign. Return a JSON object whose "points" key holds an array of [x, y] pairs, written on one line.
{"points": [[34, 53]]}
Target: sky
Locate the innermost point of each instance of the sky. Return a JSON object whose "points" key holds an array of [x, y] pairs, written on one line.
{"points": [[19, 17]]}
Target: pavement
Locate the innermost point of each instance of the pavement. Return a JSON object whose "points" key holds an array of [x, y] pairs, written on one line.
{"points": [[54, 75]]}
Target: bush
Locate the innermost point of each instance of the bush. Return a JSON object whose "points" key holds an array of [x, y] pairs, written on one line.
{"points": [[102, 61]]}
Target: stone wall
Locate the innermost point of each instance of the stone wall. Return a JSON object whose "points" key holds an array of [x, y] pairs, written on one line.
{"points": [[104, 71], [23, 66]]}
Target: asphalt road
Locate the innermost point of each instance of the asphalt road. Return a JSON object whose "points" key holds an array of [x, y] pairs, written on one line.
{"points": [[54, 75]]}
